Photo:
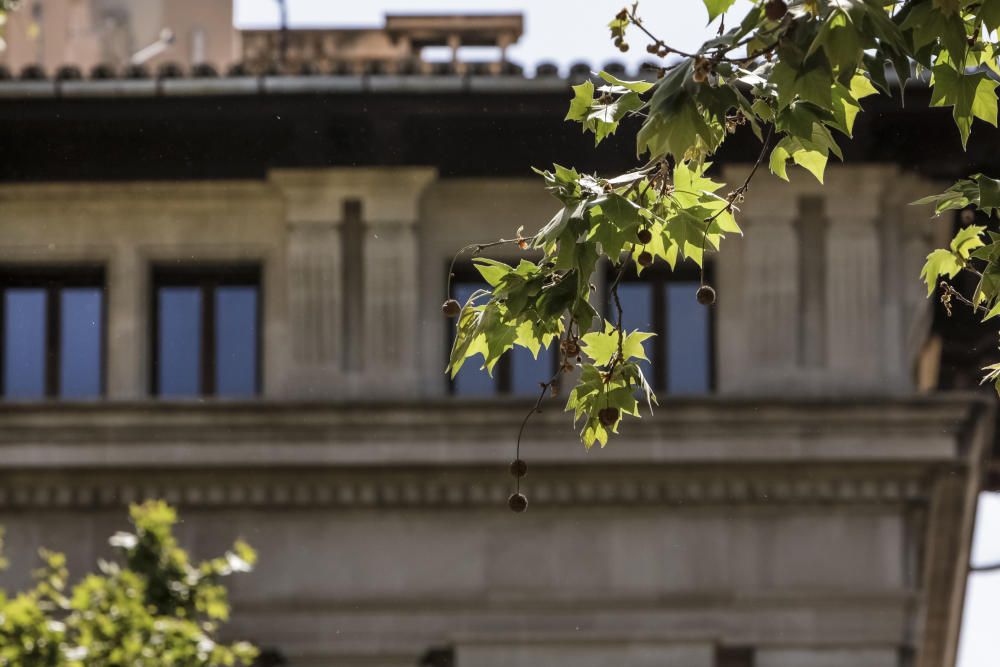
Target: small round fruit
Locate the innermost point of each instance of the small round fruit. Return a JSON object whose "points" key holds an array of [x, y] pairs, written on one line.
{"points": [[608, 417], [645, 259], [518, 468], [451, 308], [623, 48], [968, 216], [517, 502], [652, 48], [706, 295], [644, 236], [775, 9]]}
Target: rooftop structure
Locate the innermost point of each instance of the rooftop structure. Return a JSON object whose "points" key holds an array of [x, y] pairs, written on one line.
{"points": [[108, 38]]}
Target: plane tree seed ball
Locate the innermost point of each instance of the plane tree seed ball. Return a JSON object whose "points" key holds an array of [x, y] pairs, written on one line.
{"points": [[706, 295], [517, 502], [775, 10]]}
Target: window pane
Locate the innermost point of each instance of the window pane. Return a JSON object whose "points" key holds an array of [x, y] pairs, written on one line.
{"points": [[527, 372], [687, 340], [471, 381], [179, 341], [24, 343], [80, 342], [236, 341], [637, 313]]}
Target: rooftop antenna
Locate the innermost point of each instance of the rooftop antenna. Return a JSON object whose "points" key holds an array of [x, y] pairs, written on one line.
{"points": [[283, 42]]}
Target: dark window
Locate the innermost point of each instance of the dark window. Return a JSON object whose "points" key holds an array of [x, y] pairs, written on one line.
{"points": [[663, 302], [206, 331], [734, 656], [517, 373], [52, 332]]}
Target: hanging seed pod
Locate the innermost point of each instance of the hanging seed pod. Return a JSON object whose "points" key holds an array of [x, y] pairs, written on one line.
{"points": [[517, 502], [706, 295], [608, 417]]}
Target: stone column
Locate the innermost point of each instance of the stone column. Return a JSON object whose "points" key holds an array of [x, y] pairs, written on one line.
{"points": [[391, 280], [353, 333], [314, 212], [389, 342], [127, 321], [854, 289], [919, 233], [770, 278]]}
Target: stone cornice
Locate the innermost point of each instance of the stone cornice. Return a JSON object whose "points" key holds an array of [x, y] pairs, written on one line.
{"points": [[452, 434]]}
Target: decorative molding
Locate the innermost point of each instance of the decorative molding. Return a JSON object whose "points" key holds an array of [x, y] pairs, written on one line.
{"points": [[547, 489]]}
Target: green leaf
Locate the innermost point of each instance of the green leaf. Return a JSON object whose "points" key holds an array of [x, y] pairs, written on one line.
{"points": [[678, 131], [717, 7], [812, 84], [939, 263], [989, 12], [989, 192], [634, 86], [992, 376], [840, 40], [492, 271], [966, 240], [846, 106], [801, 153], [948, 7], [969, 95], [583, 98], [602, 346]]}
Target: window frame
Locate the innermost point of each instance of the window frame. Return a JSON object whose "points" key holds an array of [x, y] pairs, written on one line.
{"points": [[465, 272], [658, 277], [53, 278], [206, 277]]}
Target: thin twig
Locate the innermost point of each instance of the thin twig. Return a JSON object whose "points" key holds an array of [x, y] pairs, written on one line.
{"points": [[951, 292], [537, 407], [478, 248], [736, 194], [719, 53], [992, 567]]}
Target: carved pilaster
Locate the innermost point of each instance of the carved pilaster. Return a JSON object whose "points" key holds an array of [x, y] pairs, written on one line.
{"points": [[314, 212], [854, 281], [391, 322], [770, 264], [315, 292], [353, 322]]}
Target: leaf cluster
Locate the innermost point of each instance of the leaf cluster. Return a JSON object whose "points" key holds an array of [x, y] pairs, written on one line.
{"points": [[153, 608], [795, 76]]}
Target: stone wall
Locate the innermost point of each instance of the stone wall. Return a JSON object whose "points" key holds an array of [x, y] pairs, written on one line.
{"points": [[814, 510]]}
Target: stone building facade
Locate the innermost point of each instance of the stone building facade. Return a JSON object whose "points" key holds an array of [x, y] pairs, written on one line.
{"points": [[811, 507]]}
